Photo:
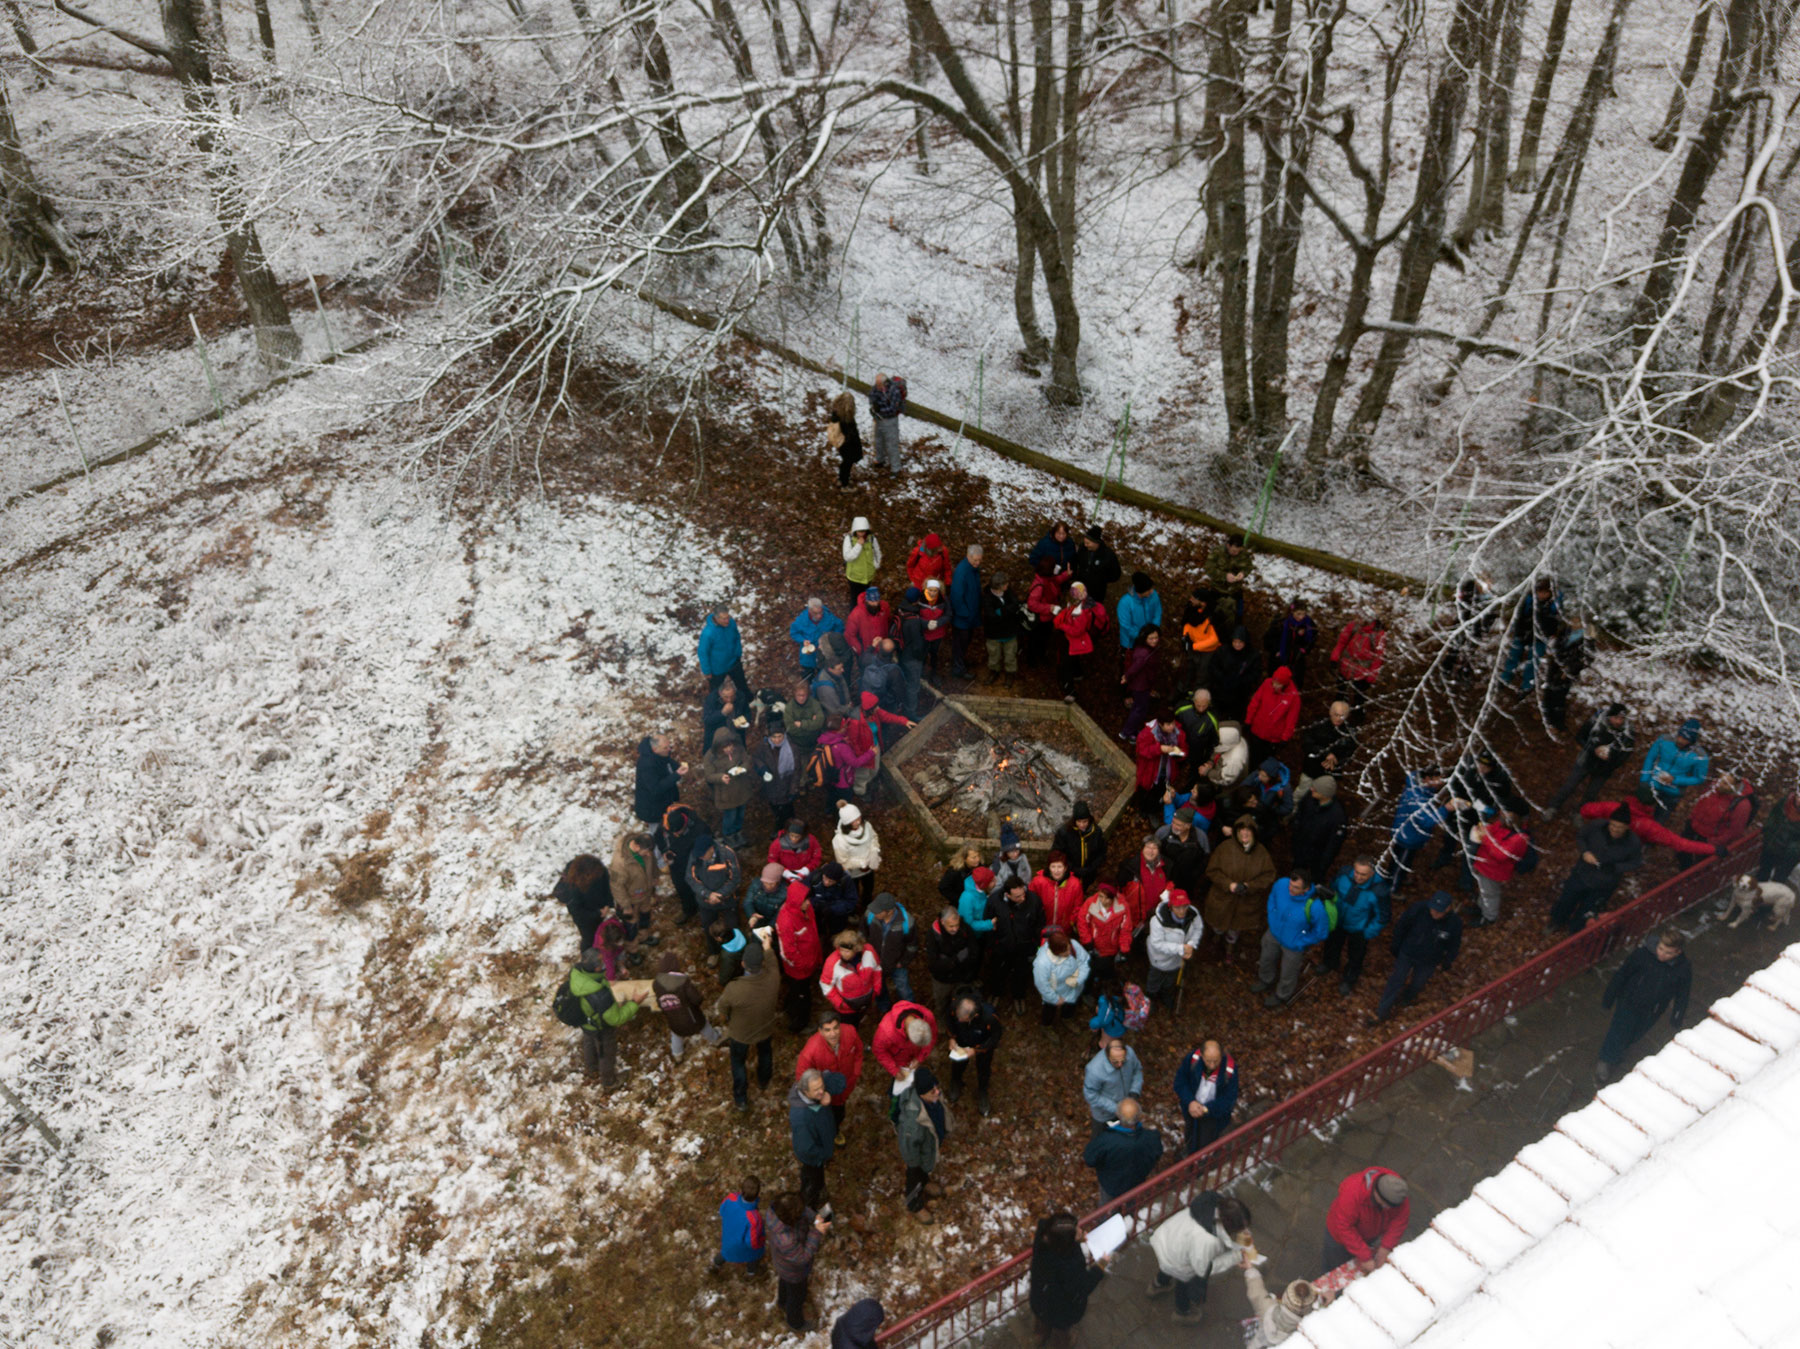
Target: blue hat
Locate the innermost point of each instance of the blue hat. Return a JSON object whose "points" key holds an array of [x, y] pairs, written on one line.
{"points": [[1441, 901], [872, 593], [1690, 729], [914, 594], [1009, 838]]}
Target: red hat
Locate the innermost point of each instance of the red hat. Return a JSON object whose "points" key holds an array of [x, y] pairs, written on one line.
{"points": [[1178, 899], [868, 702], [1284, 674], [1057, 855], [984, 877], [933, 541]]}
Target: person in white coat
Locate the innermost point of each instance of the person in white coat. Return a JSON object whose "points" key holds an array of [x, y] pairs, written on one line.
{"points": [[1276, 1317], [1060, 971], [1174, 935], [1207, 1237], [857, 848], [1231, 760]]}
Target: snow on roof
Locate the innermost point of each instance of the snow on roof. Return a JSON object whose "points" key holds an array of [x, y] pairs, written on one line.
{"points": [[1661, 1214]]}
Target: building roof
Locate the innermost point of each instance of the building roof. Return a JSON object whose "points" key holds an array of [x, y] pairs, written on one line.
{"points": [[1666, 1213]]}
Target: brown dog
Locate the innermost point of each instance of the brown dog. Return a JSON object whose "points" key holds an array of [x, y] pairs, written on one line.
{"points": [[1749, 895]]}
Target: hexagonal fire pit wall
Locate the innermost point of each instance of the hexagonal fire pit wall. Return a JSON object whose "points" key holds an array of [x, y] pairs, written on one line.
{"points": [[1000, 718]]}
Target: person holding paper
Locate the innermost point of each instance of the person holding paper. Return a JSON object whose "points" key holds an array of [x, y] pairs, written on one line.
{"points": [[1203, 1239], [1061, 1279]]}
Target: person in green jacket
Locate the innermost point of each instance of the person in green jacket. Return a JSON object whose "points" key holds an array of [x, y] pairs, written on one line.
{"points": [[602, 1016], [921, 1122]]}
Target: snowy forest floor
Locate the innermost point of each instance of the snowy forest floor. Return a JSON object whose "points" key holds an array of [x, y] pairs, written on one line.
{"points": [[297, 745]]}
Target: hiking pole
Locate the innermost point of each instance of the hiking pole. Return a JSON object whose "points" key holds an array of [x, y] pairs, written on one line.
{"points": [[1178, 974]]}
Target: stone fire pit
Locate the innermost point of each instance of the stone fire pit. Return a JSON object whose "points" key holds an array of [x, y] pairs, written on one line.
{"points": [[974, 763]]}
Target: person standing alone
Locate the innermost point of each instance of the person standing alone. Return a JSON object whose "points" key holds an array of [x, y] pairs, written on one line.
{"points": [[887, 399], [1650, 981]]}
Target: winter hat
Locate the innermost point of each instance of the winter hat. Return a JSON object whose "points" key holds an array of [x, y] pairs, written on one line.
{"points": [[1185, 813], [983, 877], [775, 726], [924, 1080], [1241, 634], [1300, 1296], [1009, 838], [1440, 901], [753, 957], [1615, 709], [860, 525], [1178, 899], [832, 872], [1093, 532], [932, 583], [669, 964], [771, 875], [913, 595], [1141, 582], [1690, 730], [1621, 814], [1389, 1188], [796, 827], [933, 541], [882, 903], [1270, 766], [873, 594], [848, 814], [1285, 675], [1485, 758], [1324, 787], [1057, 855], [1080, 811], [869, 700]]}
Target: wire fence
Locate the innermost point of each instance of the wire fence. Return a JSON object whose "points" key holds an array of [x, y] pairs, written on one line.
{"points": [[970, 1311]]}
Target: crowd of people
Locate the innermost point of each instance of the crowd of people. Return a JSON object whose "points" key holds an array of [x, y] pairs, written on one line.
{"points": [[1239, 862]]}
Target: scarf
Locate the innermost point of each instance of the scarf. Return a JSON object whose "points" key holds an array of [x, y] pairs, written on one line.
{"points": [[1165, 738]]}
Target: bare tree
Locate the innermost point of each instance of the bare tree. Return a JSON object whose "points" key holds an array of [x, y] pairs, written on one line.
{"points": [[1502, 37], [1664, 137], [33, 241], [1222, 146], [1524, 175]]}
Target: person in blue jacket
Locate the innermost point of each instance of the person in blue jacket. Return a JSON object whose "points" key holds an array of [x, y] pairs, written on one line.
{"points": [[1417, 816], [1058, 545], [1299, 919], [1139, 608], [972, 903], [1362, 911], [965, 609], [809, 625], [741, 1226], [1672, 766], [722, 654], [1206, 1089]]}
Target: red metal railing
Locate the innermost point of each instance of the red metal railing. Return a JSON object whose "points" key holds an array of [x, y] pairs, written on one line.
{"points": [[998, 1293]]}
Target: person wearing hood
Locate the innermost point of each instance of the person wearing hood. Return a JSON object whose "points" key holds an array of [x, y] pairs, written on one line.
{"points": [[797, 926], [953, 955], [1267, 795], [1060, 971], [921, 1123], [1111, 1075], [747, 1011], [1079, 621], [597, 1014], [1427, 938], [1239, 874], [1319, 825], [1674, 765], [1124, 1153], [887, 399], [1359, 653], [632, 873], [1096, 565], [585, 889], [675, 837], [678, 999], [722, 709], [1104, 926], [1227, 570], [972, 903], [1139, 680], [812, 1130], [721, 653], [1139, 608], [965, 609], [862, 559], [1200, 640], [909, 640], [809, 626], [1780, 840], [1273, 713], [856, 1328], [1010, 862], [1206, 1092], [835, 1047], [1606, 741], [1002, 620], [862, 732], [905, 1038], [1061, 1279], [1230, 759], [795, 1232], [777, 764], [857, 848], [1722, 816], [1174, 936], [975, 1032], [1277, 1317], [1362, 908], [1082, 844], [1300, 917], [1237, 672], [851, 977], [1292, 640], [928, 561], [658, 779], [1056, 547], [1018, 927], [1610, 849], [1195, 1244], [890, 933]]}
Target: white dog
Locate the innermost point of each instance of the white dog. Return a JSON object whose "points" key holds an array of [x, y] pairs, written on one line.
{"points": [[1749, 895]]}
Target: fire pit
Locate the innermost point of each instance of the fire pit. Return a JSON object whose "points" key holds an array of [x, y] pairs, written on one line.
{"points": [[974, 764]]}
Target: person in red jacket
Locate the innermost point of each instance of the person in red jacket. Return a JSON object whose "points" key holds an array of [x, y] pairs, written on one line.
{"points": [[851, 977], [796, 852], [928, 561], [1358, 654], [935, 615], [1367, 1220], [1079, 622], [1104, 926], [1161, 753], [834, 1048], [1142, 879], [905, 1037], [1058, 891], [1646, 826], [1723, 815], [870, 621], [1499, 848], [1274, 711], [1042, 601], [798, 928]]}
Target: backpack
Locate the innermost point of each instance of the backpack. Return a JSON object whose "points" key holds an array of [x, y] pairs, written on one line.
{"points": [[1529, 861], [1137, 1007], [670, 1004], [820, 770], [566, 1007]]}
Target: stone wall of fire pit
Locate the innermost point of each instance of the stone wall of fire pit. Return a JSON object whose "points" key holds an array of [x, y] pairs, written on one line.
{"points": [[1005, 736]]}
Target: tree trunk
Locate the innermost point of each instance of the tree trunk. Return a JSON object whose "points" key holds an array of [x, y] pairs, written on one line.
{"points": [[311, 18], [1664, 139], [1225, 185], [1757, 353], [685, 175], [1176, 149], [1486, 212], [1062, 201], [33, 241], [1735, 54], [1487, 30], [731, 36], [21, 27], [276, 341], [1524, 176], [916, 66], [1425, 237], [265, 30], [1337, 365]]}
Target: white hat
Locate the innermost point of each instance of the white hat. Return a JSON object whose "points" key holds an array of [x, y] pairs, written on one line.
{"points": [[861, 522], [848, 814]]}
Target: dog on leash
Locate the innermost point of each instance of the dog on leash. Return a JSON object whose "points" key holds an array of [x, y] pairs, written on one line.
{"points": [[1749, 895]]}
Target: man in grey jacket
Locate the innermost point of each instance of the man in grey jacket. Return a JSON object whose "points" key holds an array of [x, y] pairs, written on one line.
{"points": [[1174, 934], [921, 1122], [1112, 1075]]}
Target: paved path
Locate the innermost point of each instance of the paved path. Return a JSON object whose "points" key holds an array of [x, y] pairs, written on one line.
{"points": [[1441, 1137]]}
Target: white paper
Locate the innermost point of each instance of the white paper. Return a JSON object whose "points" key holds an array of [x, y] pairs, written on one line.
{"points": [[1107, 1238]]}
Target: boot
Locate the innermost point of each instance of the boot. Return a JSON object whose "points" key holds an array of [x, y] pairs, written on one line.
{"points": [[982, 1103], [953, 1092]]}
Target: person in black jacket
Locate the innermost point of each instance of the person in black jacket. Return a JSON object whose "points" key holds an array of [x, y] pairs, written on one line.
{"points": [[1326, 746], [675, 838], [1124, 1153], [658, 784], [1018, 920], [1083, 844], [911, 651], [1427, 936], [975, 1032], [953, 955], [1609, 849], [1002, 620], [1479, 780], [1096, 565], [1606, 741], [1649, 982], [1237, 672], [1061, 1278], [585, 889], [1318, 828]]}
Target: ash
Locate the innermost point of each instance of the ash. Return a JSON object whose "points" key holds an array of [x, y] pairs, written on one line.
{"points": [[1024, 782]]}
